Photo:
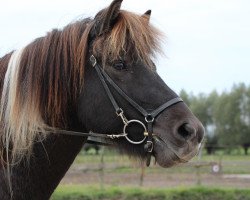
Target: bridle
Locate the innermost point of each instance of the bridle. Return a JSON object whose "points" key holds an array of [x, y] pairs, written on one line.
{"points": [[149, 116]]}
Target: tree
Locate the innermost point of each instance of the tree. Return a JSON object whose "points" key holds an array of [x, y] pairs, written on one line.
{"points": [[211, 138], [185, 97], [232, 117], [244, 106], [211, 144]]}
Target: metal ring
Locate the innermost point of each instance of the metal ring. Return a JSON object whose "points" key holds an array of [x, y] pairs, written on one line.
{"points": [[93, 60], [126, 134], [149, 118]]}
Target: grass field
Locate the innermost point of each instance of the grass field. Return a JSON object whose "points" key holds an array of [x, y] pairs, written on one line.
{"points": [[231, 164], [79, 192], [119, 170]]}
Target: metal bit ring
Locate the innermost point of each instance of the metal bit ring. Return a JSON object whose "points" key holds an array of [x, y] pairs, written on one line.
{"points": [[126, 134]]}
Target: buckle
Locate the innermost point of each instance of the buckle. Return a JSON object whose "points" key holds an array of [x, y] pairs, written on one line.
{"points": [[149, 146], [119, 112], [149, 118], [93, 60]]}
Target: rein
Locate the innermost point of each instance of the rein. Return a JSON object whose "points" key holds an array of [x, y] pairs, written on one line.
{"points": [[106, 139]]}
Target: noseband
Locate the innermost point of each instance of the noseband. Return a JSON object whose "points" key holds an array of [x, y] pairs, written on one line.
{"points": [[149, 116]]}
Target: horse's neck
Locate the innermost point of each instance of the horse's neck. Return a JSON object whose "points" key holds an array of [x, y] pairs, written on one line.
{"points": [[49, 162]]}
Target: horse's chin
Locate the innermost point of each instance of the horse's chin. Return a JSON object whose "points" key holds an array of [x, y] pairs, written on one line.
{"points": [[167, 155]]}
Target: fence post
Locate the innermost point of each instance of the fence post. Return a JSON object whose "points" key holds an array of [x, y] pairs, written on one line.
{"points": [[198, 166], [142, 175], [198, 174], [101, 170]]}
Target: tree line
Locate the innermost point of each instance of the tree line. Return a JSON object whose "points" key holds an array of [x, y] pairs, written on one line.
{"points": [[225, 116]]}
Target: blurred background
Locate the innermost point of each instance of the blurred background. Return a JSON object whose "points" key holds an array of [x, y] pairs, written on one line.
{"points": [[207, 61]]}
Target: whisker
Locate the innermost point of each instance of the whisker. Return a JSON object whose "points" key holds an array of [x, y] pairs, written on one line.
{"points": [[157, 138]]}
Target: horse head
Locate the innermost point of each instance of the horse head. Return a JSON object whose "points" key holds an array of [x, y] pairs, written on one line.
{"points": [[124, 45]]}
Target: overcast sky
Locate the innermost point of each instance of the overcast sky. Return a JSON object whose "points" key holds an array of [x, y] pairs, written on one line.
{"points": [[207, 45]]}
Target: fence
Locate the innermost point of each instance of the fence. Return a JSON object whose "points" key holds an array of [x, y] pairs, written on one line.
{"points": [[109, 168]]}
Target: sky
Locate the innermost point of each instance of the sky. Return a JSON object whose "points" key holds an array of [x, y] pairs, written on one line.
{"points": [[207, 44]]}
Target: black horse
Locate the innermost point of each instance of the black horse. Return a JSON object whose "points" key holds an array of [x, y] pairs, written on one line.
{"points": [[93, 75]]}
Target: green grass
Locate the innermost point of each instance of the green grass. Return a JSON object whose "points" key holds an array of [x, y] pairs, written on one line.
{"points": [[79, 192]]}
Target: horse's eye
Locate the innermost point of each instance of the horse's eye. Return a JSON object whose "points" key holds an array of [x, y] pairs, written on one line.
{"points": [[119, 65]]}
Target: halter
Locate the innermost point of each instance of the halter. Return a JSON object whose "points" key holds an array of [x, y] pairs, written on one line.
{"points": [[149, 116]]}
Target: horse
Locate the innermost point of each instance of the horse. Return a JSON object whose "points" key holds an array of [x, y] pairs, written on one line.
{"points": [[94, 77]]}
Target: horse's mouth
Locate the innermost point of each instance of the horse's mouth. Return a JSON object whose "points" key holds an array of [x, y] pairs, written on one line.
{"points": [[166, 154]]}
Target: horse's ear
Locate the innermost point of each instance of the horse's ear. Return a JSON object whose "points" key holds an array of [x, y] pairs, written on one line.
{"points": [[105, 19], [147, 15]]}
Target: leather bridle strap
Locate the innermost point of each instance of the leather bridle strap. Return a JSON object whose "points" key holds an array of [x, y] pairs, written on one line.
{"points": [[123, 94], [100, 75], [149, 116]]}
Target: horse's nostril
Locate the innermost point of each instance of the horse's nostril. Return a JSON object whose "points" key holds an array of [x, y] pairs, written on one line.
{"points": [[186, 131]]}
